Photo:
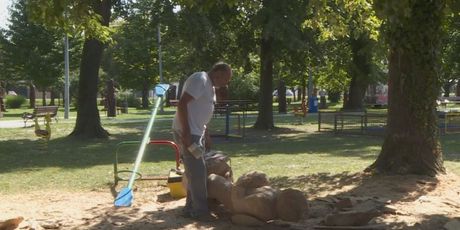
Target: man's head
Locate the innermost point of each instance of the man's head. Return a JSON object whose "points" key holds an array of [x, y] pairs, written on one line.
{"points": [[220, 74]]}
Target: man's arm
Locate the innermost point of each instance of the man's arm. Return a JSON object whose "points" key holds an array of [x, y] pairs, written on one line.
{"points": [[183, 118]]}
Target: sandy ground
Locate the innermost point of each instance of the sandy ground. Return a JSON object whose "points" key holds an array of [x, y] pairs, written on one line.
{"points": [[419, 203]]}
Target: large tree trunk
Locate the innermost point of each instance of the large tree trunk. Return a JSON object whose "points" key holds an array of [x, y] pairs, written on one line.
{"points": [[356, 93], [88, 124], [360, 71], [265, 116], [411, 143]]}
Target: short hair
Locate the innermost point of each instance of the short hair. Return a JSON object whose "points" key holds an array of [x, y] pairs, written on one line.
{"points": [[221, 66]]}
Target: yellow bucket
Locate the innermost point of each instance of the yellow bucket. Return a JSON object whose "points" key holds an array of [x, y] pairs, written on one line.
{"points": [[175, 185]]}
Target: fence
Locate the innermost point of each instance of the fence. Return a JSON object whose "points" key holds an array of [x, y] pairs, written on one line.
{"points": [[375, 123], [449, 122], [352, 122]]}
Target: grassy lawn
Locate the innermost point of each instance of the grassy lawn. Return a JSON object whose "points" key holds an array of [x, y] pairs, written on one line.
{"points": [[290, 150], [133, 113]]}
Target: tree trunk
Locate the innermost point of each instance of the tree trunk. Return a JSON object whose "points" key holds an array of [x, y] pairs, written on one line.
{"points": [[88, 124], [299, 94], [265, 116], [32, 95], [2, 94], [145, 94], [360, 71], [44, 97], [411, 144], [294, 97], [2, 105], [304, 90], [356, 94], [52, 96], [282, 108], [334, 96], [110, 101]]}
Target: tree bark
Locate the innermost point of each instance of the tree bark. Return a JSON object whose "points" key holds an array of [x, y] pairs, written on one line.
{"points": [[2, 94], [145, 94], [356, 93], [110, 100], [88, 124], [304, 90], [32, 95], [282, 108], [411, 144], [44, 97], [294, 98], [360, 71], [52, 96], [265, 116]]}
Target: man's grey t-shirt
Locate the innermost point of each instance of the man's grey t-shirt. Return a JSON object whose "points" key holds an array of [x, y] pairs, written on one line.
{"points": [[200, 110]]}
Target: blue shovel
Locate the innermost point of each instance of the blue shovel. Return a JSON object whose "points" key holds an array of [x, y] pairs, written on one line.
{"points": [[125, 196]]}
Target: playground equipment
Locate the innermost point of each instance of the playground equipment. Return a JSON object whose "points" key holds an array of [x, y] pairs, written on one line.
{"points": [[125, 196], [43, 134]]}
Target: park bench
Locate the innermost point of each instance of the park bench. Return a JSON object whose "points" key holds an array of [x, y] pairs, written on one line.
{"points": [[40, 111]]}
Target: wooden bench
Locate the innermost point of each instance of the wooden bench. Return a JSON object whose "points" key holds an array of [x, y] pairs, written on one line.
{"points": [[40, 111]]}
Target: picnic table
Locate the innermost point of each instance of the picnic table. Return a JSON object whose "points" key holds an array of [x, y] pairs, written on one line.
{"points": [[239, 108]]}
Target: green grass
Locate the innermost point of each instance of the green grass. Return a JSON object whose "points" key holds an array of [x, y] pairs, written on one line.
{"points": [[290, 150], [133, 113]]}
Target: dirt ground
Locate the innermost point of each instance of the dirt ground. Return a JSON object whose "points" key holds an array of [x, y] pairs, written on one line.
{"points": [[417, 202]]}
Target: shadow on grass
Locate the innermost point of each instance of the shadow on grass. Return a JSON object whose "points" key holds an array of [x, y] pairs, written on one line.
{"points": [[292, 141], [65, 152]]}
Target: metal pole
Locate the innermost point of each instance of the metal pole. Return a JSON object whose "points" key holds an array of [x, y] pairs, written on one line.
{"points": [[66, 84], [160, 66], [159, 55]]}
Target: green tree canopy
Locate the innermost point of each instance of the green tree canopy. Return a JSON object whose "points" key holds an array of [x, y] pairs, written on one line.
{"points": [[34, 52]]}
